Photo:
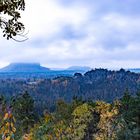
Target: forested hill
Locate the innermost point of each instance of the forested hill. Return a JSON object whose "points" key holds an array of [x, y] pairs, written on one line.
{"points": [[98, 84]]}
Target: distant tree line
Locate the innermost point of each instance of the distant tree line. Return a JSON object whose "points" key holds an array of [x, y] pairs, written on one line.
{"points": [[98, 84]]}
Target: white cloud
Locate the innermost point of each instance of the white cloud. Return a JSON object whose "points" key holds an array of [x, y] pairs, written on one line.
{"points": [[46, 17], [81, 33]]}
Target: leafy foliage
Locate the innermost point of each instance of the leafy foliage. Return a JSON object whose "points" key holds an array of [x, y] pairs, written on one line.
{"points": [[78, 120], [7, 128], [9, 19], [82, 116], [7, 121], [129, 117], [23, 110]]}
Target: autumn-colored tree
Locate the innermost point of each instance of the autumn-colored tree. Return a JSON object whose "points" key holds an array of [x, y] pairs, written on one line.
{"points": [[88, 120], [49, 128], [8, 127], [106, 126], [82, 116], [7, 121], [2, 107]]}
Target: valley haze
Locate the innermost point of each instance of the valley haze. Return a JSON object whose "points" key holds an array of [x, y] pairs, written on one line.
{"points": [[30, 70], [35, 70]]}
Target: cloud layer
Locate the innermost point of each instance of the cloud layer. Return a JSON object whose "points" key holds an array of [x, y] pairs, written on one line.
{"points": [[67, 32]]}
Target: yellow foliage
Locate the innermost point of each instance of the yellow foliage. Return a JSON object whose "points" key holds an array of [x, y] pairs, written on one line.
{"points": [[14, 129], [5, 116], [8, 138], [8, 129], [107, 117], [27, 137], [47, 118]]}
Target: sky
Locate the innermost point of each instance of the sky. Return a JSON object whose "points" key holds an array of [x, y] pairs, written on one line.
{"points": [[63, 33]]}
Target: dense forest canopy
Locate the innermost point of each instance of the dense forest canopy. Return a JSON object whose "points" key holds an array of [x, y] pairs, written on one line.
{"points": [[78, 120], [98, 84]]}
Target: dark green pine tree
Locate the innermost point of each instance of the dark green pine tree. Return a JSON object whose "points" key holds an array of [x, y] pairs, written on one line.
{"points": [[23, 110]]}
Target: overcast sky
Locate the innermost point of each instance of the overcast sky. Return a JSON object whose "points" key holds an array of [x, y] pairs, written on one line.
{"points": [[62, 33]]}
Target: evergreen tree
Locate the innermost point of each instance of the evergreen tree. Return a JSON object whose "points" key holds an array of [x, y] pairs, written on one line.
{"points": [[23, 110]]}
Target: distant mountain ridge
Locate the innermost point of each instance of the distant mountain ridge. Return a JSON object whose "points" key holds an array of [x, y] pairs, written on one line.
{"points": [[24, 67], [35, 70], [136, 70], [79, 68]]}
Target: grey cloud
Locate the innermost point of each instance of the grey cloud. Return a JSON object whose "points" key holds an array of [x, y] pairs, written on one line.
{"points": [[98, 41]]}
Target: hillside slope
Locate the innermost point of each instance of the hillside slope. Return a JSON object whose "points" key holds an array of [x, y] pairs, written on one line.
{"points": [[24, 67], [98, 84]]}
